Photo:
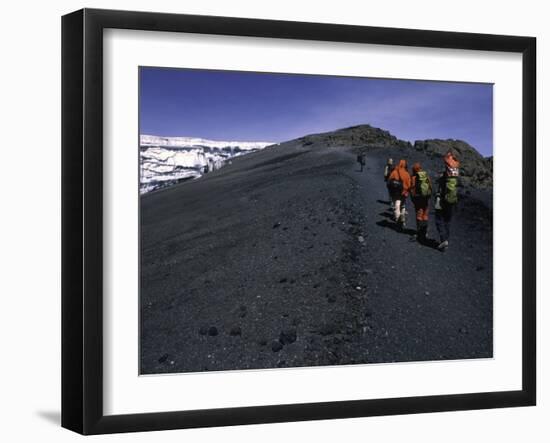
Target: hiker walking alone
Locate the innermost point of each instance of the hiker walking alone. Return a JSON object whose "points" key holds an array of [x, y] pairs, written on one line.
{"points": [[387, 171], [421, 191], [361, 161], [399, 184], [446, 199]]}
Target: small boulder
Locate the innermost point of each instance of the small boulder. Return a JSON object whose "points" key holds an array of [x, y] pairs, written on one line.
{"points": [[327, 329], [235, 330], [276, 346], [163, 358], [288, 336]]}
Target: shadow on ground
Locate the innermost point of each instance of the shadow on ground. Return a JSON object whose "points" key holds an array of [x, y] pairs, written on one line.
{"points": [[395, 227]]}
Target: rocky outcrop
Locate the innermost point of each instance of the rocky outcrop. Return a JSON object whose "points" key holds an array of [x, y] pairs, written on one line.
{"points": [[476, 170], [360, 137]]}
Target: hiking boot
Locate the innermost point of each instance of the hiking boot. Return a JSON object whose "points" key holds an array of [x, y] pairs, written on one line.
{"points": [[422, 233], [443, 245]]}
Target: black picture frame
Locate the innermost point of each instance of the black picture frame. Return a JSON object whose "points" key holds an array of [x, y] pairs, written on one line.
{"points": [[82, 215]]}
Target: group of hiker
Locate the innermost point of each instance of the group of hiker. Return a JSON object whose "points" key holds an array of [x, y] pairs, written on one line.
{"points": [[401, 184]]}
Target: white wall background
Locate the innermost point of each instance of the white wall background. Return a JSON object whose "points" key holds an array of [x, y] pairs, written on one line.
{"points": [[30, 219]]}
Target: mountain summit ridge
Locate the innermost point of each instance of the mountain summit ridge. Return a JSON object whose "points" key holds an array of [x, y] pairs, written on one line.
{"points": [[169, 160], [476, 170]]}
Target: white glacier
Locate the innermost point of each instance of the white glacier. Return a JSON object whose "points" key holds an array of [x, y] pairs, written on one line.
{"points": [[168, 160]]}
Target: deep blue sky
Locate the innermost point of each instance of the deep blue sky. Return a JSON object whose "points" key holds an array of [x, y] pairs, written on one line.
{"points": [[226, 105]]}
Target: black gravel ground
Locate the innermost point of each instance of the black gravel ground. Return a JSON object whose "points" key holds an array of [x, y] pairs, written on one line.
{"points": [[288, 257]]}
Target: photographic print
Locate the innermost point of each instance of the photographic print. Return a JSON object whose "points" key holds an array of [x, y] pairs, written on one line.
{"points": [[293, 220]]}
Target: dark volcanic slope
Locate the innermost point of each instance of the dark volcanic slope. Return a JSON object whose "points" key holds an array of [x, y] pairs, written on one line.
{"points": [[287, 258]]}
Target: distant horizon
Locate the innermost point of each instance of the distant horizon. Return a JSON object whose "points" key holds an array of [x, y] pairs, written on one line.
{"points": [[305, 135], [266, 107]]}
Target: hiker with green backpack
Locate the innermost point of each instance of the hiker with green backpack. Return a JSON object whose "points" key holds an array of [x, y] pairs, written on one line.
{"points": [[446, 198], [421, 192]]}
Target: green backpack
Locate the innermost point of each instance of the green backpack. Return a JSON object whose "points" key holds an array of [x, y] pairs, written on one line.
{"points": [[451, 190], [423, 185]]}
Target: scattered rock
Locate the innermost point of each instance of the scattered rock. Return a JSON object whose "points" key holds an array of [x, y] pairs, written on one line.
{"points": [[276, 346], [361, 239], [235, 330], [463, 330], [327, 329], [427, 293], [212, 331], [333, 357], [276, 225], [287, 336], [283, 280], [203, 330], [163, 358]]}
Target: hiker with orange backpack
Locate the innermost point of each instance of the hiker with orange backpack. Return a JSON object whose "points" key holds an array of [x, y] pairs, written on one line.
{"points": [[399, 185], [446, 198], [421, 191]]}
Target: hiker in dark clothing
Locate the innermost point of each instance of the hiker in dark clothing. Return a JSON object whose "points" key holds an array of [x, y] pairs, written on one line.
{"points": [[421, 191], [361, 161], [446, 199], [387, 171]]}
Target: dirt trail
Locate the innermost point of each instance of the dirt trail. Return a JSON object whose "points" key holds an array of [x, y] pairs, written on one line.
{"points": [[422, 304]]}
